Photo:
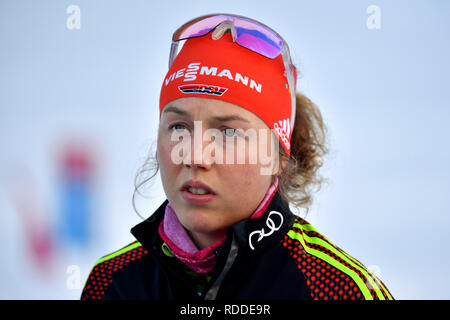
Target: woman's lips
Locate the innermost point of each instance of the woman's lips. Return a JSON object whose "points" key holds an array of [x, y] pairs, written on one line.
{"points": [[197, 198], [196, 184]]}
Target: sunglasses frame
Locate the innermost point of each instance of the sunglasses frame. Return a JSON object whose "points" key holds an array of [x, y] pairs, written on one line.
{"points": [[288, 65]]}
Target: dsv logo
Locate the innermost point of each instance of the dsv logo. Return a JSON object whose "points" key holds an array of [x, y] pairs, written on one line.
{"points": [[202, 88], [262, 233]]}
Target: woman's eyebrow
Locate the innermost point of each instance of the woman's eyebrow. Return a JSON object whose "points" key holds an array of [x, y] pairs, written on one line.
{"points": [[175, 110], [230, 118], [216, 118]]}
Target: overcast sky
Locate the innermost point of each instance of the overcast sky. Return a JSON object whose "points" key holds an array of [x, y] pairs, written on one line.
{"points": [[383, 93]]}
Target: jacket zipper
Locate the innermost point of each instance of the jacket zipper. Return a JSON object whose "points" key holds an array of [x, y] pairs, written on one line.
{"points": [[212, 292]]}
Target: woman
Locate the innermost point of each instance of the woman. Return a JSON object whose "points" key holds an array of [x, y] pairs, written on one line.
{"points": [[236, 146]]}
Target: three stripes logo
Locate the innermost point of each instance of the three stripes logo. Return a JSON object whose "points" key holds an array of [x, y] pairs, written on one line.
{"points": [[203, 88], [283, 128]]}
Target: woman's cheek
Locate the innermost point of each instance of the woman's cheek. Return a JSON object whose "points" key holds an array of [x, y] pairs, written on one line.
{"points": [[167, 146], [166, 165], [236, 178]]}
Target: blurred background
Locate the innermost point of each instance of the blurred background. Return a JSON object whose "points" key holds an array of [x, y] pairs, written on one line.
{"points": [[79, 90]]}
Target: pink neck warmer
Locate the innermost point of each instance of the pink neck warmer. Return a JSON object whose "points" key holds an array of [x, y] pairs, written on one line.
{"points": [[180, 243]]}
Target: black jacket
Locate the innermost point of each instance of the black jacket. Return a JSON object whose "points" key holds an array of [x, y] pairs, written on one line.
{"points": [[276, 256]]}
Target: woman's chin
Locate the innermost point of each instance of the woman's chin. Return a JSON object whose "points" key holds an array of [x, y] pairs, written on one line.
{"points": [[202, 222], [202, 226]]}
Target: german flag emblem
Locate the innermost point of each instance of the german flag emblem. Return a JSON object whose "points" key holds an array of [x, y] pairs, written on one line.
{"points": [[203, 88]]}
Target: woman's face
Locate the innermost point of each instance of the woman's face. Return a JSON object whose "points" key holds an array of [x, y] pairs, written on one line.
{"points": [[237, 187]]}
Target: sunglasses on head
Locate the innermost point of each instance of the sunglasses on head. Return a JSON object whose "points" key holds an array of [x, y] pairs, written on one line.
{"points": [[246, 32]]}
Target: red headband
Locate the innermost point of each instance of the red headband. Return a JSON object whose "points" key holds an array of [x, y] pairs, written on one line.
{"points": [[221, 69]]}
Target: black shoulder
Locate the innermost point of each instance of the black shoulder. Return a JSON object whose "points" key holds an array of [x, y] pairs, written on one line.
{"points": [[100, 277], [330, 272]]}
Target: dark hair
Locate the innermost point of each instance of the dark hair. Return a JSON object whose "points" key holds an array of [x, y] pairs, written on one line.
{"points": [[308, 147]]}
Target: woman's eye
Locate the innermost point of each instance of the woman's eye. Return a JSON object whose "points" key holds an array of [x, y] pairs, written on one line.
{"points": [[229, 132], [178, 127]]}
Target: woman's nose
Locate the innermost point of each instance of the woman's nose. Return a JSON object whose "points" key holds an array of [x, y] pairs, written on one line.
{"points": [[201, 152]]}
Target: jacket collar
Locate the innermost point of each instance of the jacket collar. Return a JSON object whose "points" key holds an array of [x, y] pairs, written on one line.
{"points": [[252, 235], [256, 235], [146, 231]]}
